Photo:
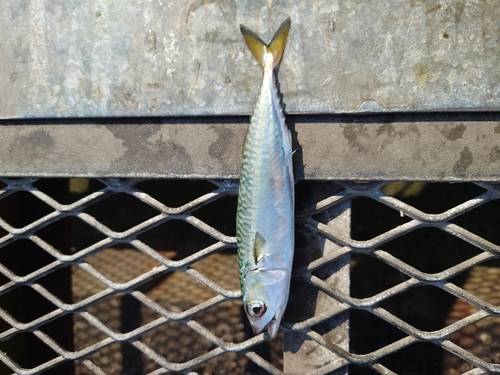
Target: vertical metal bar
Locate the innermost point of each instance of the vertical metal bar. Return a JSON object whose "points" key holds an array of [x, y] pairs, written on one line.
{"points": [[303, 355]]}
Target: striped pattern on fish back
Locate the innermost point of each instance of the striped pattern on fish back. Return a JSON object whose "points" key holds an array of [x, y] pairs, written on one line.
{"points": [[264, 132]]}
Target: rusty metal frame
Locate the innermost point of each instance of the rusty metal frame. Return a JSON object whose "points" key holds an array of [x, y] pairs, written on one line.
{"points": [[409, 147]]}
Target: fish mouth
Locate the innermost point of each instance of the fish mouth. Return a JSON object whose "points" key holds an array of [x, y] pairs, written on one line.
{"points": [[272, 328]]}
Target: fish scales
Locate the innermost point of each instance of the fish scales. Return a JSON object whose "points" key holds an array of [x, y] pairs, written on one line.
{"points": [[265, 210], [265, 159]]}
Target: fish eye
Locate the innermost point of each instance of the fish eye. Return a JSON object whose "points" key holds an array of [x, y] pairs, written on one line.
{"points": [[256, 308]]}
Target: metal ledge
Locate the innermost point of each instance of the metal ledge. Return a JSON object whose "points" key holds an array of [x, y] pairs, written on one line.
{"points": [[426, 147], [87, 58]]}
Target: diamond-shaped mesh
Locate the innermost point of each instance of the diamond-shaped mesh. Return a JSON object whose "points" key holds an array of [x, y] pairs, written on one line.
{"points": [[147, 282]]}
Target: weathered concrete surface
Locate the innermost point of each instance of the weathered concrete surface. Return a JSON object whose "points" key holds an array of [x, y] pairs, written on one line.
{"points": [[88, 58], [379, 147]]}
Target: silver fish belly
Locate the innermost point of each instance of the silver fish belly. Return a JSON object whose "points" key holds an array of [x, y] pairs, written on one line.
{"points": [[265, 213]]}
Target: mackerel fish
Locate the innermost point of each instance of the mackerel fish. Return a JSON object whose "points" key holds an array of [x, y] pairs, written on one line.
{"points": [[265, 213]]}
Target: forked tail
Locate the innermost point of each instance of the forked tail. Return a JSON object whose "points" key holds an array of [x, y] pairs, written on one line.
{"points": [[274, 48]]}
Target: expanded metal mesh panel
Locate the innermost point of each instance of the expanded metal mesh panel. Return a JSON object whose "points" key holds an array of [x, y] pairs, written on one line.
{"points": [[140, 276]]}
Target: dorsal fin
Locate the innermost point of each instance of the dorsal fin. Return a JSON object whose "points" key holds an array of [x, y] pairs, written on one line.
{"points": [[275, 47], [258, 246]]}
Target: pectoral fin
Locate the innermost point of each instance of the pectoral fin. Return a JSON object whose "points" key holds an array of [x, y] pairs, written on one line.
{"points": [[258, 247]]}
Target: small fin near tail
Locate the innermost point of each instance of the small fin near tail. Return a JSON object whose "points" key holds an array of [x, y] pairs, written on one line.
{"points": [[275, 47]]}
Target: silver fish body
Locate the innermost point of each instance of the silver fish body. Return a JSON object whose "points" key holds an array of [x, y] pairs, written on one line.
{"points": [[265, 213]]}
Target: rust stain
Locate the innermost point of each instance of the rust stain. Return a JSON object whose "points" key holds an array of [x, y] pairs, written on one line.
{"points": [[495, 154], [433, 9], [465, 161], [421, 75], [27, 150], [454, 133]]}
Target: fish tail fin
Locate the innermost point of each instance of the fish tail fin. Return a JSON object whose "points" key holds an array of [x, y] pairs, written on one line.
{"points": [[275, 47]]}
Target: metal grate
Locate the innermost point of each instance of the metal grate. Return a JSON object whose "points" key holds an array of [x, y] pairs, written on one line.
{"points": [[124, 313]]}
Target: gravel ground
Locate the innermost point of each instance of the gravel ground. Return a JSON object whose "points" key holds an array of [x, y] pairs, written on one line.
{"points": [[482, 338], [175, 341]]}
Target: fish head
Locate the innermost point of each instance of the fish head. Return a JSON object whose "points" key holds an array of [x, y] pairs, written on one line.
{"points": [[265, 297]]}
